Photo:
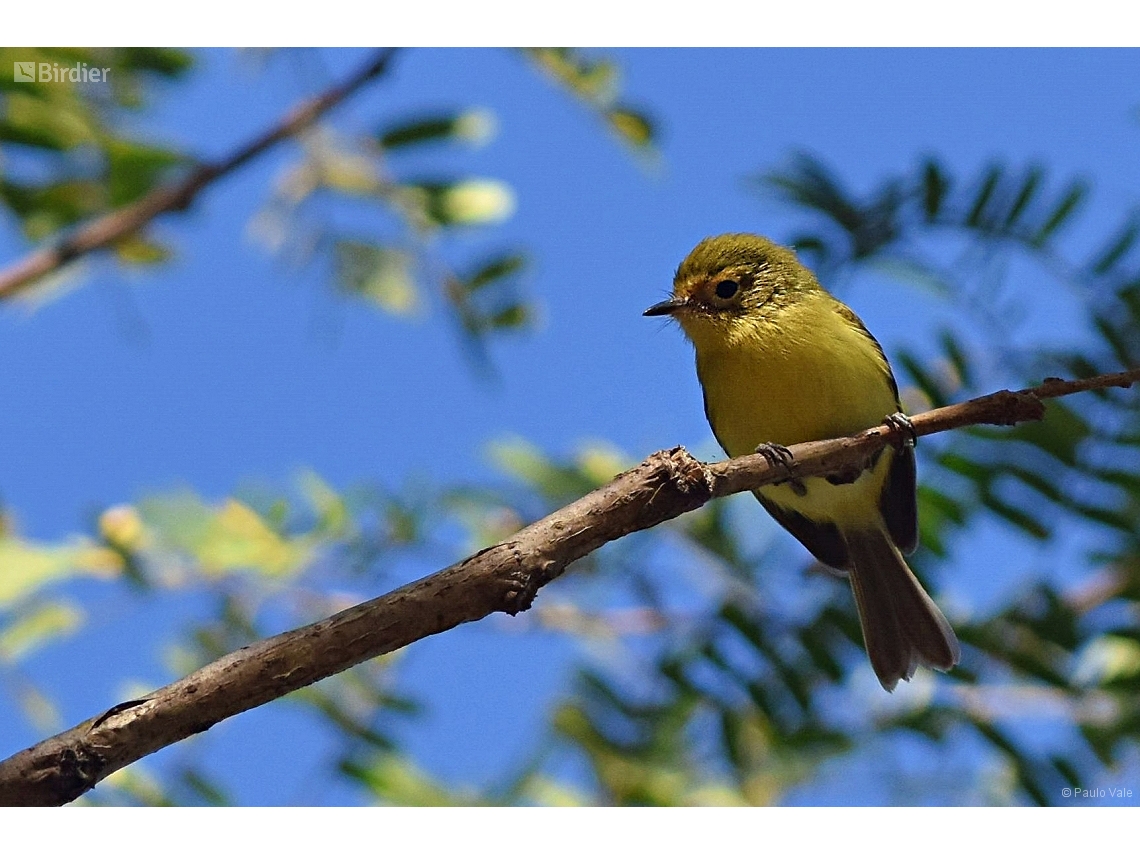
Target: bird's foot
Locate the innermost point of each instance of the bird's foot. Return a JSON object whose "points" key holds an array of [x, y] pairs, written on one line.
{"points": [[778, 456], [902, 429]]}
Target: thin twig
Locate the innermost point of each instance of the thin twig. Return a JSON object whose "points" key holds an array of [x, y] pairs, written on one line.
{"points": [[502, 578], [104, 231]]}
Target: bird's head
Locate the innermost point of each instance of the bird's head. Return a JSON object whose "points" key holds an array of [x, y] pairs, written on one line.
{"points": [[730, 283]]}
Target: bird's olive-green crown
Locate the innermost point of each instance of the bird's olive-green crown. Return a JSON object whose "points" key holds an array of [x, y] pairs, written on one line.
{"points": [[735, 278], [741, 253]]}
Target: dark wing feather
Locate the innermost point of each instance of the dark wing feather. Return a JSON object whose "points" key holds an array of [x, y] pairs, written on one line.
{"points": [[821, 539], [898, 503]]}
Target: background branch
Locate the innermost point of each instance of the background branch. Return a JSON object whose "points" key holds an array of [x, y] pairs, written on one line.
{"points": [[504, 577], [104, 231]]}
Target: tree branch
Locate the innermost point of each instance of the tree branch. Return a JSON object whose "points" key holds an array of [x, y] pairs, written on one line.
{"points": [[504, 577], [114, 226]]}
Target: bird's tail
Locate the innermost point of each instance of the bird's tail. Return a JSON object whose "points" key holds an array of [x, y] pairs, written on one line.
{"points": [[902, 627]]}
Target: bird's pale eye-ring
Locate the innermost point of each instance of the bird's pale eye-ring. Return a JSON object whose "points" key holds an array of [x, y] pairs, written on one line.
{"points": [[726, 289]]}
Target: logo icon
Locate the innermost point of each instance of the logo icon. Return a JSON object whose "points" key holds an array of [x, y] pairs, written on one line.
{"points": [[53, 72]]}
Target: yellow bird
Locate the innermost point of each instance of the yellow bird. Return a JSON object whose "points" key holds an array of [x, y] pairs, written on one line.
{"points": [[781, 361]]}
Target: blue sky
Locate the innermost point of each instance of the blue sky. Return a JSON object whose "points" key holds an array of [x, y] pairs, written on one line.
{"points": [[228, 366]]}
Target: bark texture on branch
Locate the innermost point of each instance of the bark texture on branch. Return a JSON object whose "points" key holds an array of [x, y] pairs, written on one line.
{"points": [[502, 578]]}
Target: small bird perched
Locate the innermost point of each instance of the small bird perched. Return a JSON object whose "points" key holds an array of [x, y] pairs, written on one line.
{"points": [[781, 361]]}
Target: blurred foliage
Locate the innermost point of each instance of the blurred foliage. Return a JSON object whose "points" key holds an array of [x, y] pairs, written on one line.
{"points": [[596, 83], [62, 157], [756, 690], [716, 668], [63, 163]]}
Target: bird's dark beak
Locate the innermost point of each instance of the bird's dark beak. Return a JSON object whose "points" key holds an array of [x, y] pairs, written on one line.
{"points": [[665, 307]]}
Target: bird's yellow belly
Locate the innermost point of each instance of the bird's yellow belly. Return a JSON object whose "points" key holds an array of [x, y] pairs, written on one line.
{"points": [[787, 394]]}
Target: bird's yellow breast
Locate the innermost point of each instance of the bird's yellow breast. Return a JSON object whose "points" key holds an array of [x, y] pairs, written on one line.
{"points": [[808, 373]]}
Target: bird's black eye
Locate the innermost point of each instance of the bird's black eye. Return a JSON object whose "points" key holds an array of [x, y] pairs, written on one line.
{"points": [[726, 289]]}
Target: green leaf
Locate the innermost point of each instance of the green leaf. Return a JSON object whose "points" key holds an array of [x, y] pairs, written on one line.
{"points": [[29, 566], [594, 81], [941, 504], [957, 357], [926, 382], [396, 780], [809, 183], [33, 627], [134, 169], [45, 123], [1126, 479], [1024, 195], [731, 733], [512, 317], [1125, 522], [1035, 481], [1118, 341], [1129, 295], [379, 274], [499, 267], [1016, 517], [978, 472], [632, 126], [1026, 775], [136, 249], [205, 789], [473, 126], [821, 655], [978, 217], [1064, 211], [935, 185], [937, 512], [910, 271], [557, 483], [468, 202], [167, 62], [1117, 246], [48, 208], [811, 245], [1060, 434], [224, 539], [333, 516]]}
